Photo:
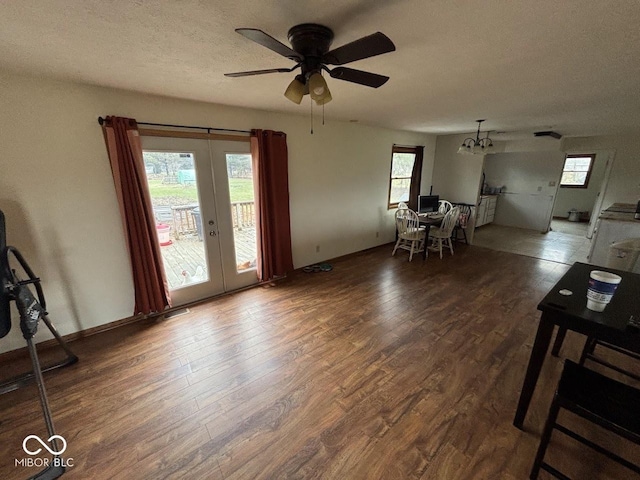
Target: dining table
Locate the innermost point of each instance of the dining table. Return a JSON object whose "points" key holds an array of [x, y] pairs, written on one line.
{"points": [[427, 221], [565, 306]]}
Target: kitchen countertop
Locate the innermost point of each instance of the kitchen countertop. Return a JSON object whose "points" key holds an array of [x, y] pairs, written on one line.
{"points": [[621, 212]]}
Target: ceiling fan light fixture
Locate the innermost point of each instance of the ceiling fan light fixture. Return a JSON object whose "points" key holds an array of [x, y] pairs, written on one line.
{"points": [[318, 88], [296, 89], [326, 99], [312, 53]]}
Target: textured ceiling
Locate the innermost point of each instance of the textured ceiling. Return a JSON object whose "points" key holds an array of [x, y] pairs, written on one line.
{"points": [[571, 65]]}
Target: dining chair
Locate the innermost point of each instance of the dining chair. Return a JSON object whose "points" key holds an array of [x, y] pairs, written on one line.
{"points": [[588, 353], [444, 206], [598, 399], [463, 222], [411, 236], [442, 235]]}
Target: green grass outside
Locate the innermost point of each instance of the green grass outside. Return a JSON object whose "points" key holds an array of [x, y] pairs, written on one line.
{"points": [[240, 190]]}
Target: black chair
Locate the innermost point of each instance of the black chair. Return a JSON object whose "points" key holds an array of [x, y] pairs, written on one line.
{"points": [[606, 402], [462, 222], [588, 353]]}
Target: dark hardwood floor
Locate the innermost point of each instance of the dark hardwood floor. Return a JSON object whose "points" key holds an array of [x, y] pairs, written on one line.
{"points": [[379, 369]]}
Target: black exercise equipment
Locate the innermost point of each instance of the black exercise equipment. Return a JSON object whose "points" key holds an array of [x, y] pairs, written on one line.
{"points": [[32, 309]]}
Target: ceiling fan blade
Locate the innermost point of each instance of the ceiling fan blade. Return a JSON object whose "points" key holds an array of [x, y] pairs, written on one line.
{"points": [[268, 41], [260, 72], [369, 46], [358, 76]]}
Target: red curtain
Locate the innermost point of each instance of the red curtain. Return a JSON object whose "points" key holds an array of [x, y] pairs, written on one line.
{"points": [[270, 167], [125, 154]]}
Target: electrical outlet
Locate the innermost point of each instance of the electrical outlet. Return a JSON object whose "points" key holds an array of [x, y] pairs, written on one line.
{"points": [[317, 248], [552, 183], [539, 189]]}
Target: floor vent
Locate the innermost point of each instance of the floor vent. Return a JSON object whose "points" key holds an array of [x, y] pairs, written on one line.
{"points": [[176, 313]]}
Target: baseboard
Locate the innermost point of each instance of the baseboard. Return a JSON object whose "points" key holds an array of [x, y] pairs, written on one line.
{"points": [[23, 352]]}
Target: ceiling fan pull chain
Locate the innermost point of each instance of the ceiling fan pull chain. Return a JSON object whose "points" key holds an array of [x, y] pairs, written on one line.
{"points": [[323, 114], [311, 108]]}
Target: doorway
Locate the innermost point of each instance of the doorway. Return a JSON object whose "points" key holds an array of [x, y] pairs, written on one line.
{"points": [[581, 189], [528, 184], [202, 197]]}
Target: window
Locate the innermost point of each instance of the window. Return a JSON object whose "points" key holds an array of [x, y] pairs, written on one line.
{"points": [[576, 171], [402, 161]]}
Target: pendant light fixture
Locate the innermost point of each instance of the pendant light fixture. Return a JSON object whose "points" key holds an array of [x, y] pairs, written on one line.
{"points": [[479, 146]]}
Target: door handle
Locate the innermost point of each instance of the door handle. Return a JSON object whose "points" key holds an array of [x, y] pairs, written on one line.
{"points": [[212, 233]]}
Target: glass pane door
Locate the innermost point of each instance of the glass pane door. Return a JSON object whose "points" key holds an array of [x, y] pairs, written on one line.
{"points": [[243, 215], [181, 187], [203, 202], [235, 195]]}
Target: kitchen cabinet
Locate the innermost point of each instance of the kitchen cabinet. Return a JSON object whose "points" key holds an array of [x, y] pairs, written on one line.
{"points": [[486, 209], [614, 224]]}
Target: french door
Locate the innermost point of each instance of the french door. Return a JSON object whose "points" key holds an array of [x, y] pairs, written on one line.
{"points": [[202, 197]]}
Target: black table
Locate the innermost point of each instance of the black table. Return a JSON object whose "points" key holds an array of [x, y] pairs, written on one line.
{"points": [[571, 313], [427, 222]]}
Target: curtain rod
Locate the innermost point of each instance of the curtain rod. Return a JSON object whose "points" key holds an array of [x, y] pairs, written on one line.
{"points": [[101, 121]]}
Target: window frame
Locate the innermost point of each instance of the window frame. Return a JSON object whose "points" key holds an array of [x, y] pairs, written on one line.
{"points": [[586, 181], [399, 149]]}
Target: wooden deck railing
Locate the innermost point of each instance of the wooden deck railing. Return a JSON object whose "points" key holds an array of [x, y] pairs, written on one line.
{"points": [[183, 222], [243, 214]]}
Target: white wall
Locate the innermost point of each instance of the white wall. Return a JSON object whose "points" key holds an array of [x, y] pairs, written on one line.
{"points": [[459, 176], [531, 180], [582, 199], [57, 191], [456, 177], [624, 181]]}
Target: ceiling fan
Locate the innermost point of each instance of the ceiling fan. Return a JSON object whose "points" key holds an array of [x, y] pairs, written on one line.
{"points": [[310, 50]]}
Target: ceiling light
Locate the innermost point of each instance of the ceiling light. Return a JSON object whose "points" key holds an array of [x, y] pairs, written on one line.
{"points": [[296, 89], [325, 99], [318, 89], [479, 146]]}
